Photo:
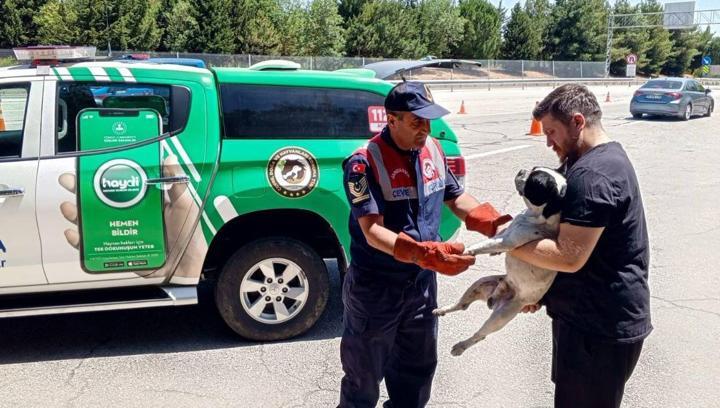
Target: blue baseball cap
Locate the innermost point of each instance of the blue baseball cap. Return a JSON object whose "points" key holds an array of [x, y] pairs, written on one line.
{"points": [[414, 97]]}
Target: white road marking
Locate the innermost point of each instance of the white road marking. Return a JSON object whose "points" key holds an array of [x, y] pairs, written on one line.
{"points": [[528, 112], [493, 152]]}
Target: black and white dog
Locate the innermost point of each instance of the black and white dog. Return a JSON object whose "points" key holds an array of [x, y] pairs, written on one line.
{"points": [[543, 190]]}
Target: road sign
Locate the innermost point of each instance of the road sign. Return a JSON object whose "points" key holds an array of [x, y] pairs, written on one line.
{"points": [[707, 60], [630, 70], [631, 59], [706, 69]]}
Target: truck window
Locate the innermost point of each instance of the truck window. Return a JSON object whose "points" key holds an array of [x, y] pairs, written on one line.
{"points": [[172, 102], [13, 102], [285, 112]]}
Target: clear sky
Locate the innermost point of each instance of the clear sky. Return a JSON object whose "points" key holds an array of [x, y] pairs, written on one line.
{"points": [[699, 5]]}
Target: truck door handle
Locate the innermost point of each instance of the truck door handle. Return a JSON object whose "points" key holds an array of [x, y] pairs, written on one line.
{"points": [[169, 180], [12, 192]]}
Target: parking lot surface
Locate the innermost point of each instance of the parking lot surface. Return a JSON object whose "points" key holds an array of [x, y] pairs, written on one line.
{"points": [[186, 357]]}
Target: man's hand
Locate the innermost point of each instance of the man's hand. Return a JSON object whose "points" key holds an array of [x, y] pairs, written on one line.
{"points": [[485, 219], [442, 257]]}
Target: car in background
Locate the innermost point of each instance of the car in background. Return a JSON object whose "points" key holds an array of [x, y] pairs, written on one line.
{"points": [[679, 97]]}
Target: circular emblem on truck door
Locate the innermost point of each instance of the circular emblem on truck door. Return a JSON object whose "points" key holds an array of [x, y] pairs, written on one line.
{"points": [[292, 172], [120, 183]]}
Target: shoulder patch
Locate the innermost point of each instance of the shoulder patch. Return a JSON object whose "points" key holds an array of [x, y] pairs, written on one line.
{"points": [[358, 187]]}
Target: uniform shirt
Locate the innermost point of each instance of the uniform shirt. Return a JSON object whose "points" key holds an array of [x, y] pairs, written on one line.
{"points": [[608, 297], [407, 188]]}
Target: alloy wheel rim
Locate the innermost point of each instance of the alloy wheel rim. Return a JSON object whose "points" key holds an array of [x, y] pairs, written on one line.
{"points": [[274, 290]]}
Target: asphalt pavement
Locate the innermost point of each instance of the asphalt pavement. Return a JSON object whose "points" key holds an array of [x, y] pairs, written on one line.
{"points": [[186, 357]]}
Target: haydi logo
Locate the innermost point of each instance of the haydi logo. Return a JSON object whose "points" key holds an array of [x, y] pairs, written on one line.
{"points": [[120, 183], [108, 184]]}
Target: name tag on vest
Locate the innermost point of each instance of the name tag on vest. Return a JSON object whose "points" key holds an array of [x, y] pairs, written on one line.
{"points": [[403, 193]]}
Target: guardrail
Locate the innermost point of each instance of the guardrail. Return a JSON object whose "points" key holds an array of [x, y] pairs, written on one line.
{"points": [[554, 82]]}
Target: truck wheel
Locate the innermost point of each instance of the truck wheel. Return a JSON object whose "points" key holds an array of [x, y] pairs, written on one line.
{"points": [[272, 289]]}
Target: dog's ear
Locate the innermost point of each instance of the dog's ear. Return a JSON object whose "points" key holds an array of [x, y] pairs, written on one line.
{"points": [[552, 207]]}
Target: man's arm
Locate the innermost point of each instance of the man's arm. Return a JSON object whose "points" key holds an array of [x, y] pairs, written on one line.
{"points": [[462, 205], [483, 218], [376, 234], [442, 257], [568, 253]]}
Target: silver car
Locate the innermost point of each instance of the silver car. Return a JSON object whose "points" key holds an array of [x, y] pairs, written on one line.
{"points": [[680, 97]]}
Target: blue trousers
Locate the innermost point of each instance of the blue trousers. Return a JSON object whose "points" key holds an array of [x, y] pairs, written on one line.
{"points": [[389, 333]]}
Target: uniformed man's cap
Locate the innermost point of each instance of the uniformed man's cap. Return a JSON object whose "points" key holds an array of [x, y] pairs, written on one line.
{"points": [[414, 97]]}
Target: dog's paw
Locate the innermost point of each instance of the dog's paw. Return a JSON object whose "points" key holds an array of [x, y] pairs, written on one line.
{"points": [[439, 312], [457, 349]]}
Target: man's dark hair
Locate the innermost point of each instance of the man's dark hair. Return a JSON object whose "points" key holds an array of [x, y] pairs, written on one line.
{"points": [[563, 102]]}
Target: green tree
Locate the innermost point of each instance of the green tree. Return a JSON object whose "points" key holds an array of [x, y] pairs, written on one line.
{"points": [[578, 31], [181, 26], [324, 34], [686, 46], [713, 50], [350, 9], [629, 41], [292, 28], [93, 18], [257, 27], [136, 25], [704, 41], [659, 43], [217, 33], [57, 23], [520, 39], [385, 28], [17, 24], [539, 12], [11, 26], [482, 35], [441, 27]]}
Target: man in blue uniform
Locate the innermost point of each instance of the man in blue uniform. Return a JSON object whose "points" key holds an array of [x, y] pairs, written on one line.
{"points": [[600, 301], [396, 186]]}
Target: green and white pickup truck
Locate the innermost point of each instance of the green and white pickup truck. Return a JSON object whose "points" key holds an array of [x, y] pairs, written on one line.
{"points": [[236, 179]]}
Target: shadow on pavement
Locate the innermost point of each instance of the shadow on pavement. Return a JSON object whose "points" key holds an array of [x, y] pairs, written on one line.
{"points": [[141, 331]]}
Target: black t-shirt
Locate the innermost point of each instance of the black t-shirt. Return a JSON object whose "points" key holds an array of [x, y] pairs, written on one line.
{"points": [[608, 297]]}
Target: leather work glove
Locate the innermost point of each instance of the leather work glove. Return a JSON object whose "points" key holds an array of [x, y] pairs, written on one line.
{"points": [[445, 258], [485, 219]]}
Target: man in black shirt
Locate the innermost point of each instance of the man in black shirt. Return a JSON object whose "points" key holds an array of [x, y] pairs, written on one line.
{"points": [[600, 300]]}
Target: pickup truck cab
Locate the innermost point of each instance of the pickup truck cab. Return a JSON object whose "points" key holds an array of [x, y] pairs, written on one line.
{"points": [[247, 174]]}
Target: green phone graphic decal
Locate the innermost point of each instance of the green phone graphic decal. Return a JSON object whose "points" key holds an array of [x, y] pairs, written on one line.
{"points": [[121, 216]]}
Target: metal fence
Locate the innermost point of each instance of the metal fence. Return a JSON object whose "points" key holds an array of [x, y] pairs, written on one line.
{"points": [[491, 69]]}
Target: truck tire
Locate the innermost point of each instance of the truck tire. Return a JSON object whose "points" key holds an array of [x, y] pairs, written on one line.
{"points": [[272, 289]]}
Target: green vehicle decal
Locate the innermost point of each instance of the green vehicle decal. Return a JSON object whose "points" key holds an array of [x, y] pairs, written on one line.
{"points": [[231, 178]]}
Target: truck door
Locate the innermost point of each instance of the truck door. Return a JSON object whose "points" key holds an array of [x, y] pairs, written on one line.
{"points": [[121, 179], [20, 112]]}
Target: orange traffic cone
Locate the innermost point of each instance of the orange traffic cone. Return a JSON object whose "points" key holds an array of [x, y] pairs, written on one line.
{"points": [[535, 126], [462, 108], [2, 121], [607, 98]]}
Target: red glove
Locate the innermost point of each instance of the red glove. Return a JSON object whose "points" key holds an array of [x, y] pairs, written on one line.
{"points": [[485, 219], [441, 257]]}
